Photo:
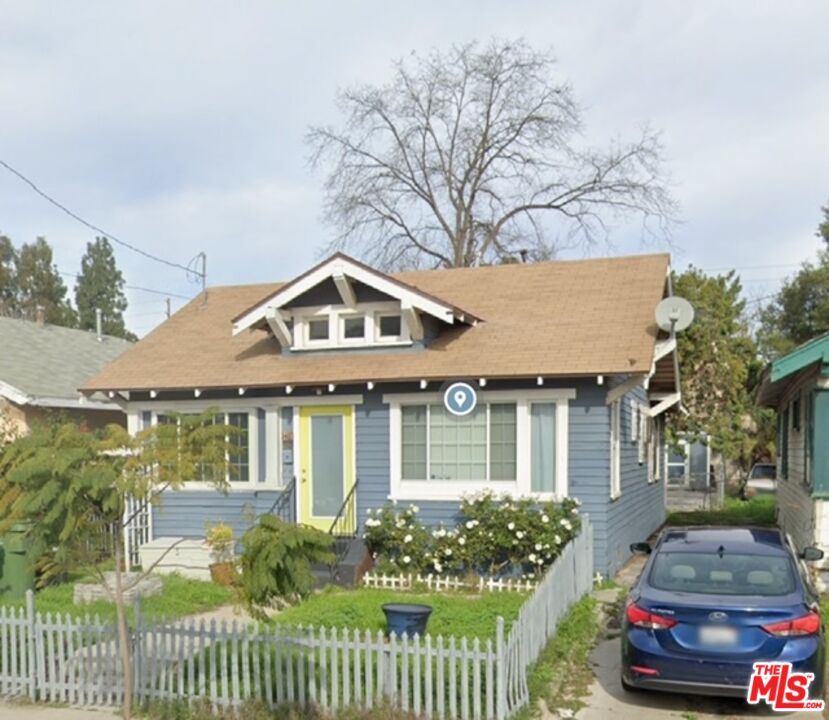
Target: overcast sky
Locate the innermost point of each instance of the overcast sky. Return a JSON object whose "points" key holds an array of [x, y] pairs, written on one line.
{"points": [[178, 126]]}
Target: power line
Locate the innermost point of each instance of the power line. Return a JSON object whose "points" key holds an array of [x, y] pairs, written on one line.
{"points": [[90, 225], [751, 267], [136, 287]]}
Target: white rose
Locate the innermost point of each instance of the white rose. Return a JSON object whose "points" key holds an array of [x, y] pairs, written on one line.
{"points": [[470, 524], [461, 541], [407, 539], [415, 509], [557, 539], [447, 552], [545, 519], [406, 559], [532, 557], [574, 511], [538, 546], [511, 526], [519, 534]]}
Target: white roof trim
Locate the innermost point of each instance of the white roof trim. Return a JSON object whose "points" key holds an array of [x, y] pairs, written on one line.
{"points": [[81, 402], [671, 400], [344, 267], [18, 397]]}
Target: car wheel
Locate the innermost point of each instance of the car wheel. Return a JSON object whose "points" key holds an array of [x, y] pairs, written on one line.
{"points": [[627, 687]]}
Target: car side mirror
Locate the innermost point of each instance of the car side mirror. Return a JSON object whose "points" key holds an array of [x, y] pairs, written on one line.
{"points": [[812, 554], [643, 548]]}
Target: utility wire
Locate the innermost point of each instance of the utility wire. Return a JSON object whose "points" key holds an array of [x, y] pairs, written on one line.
{"points": [[91, 226], [136, 287]]}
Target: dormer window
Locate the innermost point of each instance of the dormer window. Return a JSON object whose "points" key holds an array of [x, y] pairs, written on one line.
{"points": [[326, 327], [342, 303], [318, 330], [390, 327], [354, 327]]}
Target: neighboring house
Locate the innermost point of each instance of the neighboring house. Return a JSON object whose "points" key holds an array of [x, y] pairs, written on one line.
{"points": [[689, 463], [338, 379], [41, 368], [797, 386]]}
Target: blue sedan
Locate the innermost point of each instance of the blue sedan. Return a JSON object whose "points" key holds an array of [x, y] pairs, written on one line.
{"points": [[711, 602]]}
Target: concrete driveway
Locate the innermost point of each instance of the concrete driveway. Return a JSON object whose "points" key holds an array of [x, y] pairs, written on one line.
{"points": [[608, 699]]}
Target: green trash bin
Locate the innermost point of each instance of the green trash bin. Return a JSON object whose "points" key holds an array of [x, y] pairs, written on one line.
{"points": [[17, 571]]}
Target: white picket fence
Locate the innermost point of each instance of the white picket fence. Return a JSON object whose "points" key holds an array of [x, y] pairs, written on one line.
{"points": [[440, 583], [77, 661]]}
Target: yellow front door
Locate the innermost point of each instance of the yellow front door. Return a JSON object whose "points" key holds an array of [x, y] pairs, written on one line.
{"points": [[326, 450]]}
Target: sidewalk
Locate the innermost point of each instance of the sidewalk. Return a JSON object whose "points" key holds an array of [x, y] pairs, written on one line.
{"points": [[26, 711]]}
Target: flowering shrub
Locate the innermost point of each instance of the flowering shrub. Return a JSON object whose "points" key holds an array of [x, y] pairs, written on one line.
{"points": [[495, 536], [396, 539]]}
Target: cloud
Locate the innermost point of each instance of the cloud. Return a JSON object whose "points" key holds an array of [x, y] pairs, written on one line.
{"points": [[180, 126]]}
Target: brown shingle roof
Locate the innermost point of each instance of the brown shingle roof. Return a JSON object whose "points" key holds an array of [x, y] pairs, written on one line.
{"points": [[583, 317]]}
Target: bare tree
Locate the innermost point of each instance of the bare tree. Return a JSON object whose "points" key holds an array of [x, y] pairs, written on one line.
{"points": [[467, 157]]}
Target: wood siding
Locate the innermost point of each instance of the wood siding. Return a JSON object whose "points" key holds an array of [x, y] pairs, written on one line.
{"points": [[795, 507], [638, 512]]}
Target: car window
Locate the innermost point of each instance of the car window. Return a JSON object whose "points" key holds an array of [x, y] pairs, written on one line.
{"points": [[726, 574], [763, 472]]}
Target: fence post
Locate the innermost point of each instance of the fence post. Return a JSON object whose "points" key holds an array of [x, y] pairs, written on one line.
{"points": [[33, 662], [500, 671], [134, 652]]}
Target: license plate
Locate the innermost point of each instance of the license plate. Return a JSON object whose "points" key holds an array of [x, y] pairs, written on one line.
{"points": [[717, 635]]}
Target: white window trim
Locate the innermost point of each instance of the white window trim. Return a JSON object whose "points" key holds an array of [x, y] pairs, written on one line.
{"points": [[253, 449], [339, 265], [336, 314], [615, 450], [643, 418], [405, 331], [273, 429], [455, 490]]}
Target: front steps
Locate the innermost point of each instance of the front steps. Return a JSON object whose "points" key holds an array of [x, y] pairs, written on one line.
{"points": [[192, 558]]}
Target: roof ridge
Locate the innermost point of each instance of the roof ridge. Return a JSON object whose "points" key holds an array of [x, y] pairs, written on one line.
{"points": [[396, 273]]}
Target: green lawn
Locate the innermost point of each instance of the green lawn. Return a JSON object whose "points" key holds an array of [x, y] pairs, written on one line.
{"points": [[180, 596], [758, 512], [454, 614]]}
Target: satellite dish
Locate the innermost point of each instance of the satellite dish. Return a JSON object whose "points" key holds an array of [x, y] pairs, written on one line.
{"points": [[674, 314]]}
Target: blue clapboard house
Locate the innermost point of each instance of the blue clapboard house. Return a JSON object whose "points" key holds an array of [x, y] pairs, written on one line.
{"points": [[355, 387]]}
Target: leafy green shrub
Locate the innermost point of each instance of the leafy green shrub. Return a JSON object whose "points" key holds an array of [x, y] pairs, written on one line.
{"points": [[277, 559], [397, 539], [495, 535]]}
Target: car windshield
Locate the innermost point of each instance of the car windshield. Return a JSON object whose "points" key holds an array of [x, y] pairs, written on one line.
{"points": [[726, 574], [763, 472]]}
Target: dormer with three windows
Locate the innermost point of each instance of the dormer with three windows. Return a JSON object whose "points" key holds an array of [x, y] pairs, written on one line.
{"points": [[342, 304]]}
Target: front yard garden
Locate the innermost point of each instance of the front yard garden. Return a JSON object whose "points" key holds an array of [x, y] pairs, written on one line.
{"points": [[454, 614], [179, 597]]}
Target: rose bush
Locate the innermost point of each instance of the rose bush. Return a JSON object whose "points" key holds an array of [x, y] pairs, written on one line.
{"points": [[396, 539], [495, 535]]}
